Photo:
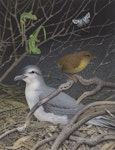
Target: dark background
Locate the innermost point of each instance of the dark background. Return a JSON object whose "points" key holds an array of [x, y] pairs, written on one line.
{"points": [[63, 37]]}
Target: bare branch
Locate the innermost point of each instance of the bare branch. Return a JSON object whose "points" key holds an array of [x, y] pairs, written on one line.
{"points": [[58, 26], [62, 87], [100, 83], [18, 129], [71, 127], [40, 143], [14, 64], [93, 141]]}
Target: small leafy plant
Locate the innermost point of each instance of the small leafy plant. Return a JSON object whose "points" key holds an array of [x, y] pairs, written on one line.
{"points": [[33, 38]]}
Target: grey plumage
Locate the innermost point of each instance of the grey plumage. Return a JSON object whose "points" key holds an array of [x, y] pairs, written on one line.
{"points": [[60, 109]]}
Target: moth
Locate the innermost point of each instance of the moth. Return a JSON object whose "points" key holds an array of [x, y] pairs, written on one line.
{"points": [[82, 21]]}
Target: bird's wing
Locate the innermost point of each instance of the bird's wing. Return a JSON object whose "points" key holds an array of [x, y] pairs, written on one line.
{"points": [[60, 111], [67, 66], [72, 62], [61, 104], [76, 60]]}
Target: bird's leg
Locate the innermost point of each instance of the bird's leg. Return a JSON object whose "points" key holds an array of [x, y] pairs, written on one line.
{"points": [[74, 78]]}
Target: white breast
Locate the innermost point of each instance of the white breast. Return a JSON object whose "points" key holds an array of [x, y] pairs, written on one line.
{"points": [[32, 97]]}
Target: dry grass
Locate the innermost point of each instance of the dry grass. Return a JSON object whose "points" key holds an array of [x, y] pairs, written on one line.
{"points": [[13, 113]]}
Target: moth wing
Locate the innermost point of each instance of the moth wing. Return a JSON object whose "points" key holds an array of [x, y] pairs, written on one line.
{"points": [[87, 15], [78, 22], [75, 21], [86, 18], [86, 21]]}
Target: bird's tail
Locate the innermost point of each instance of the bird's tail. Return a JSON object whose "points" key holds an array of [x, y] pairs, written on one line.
{"points": [[103, 121]]}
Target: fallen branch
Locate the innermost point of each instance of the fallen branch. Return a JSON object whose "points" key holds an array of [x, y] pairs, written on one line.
{"points": [[110, 114], [100, 83], [71, 127], [79, 140], [40, 143], [93, 141], [62, 87], [18, 129]]}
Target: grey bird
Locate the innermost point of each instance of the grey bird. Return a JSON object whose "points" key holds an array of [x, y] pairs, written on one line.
{"points": [[58, 110]]}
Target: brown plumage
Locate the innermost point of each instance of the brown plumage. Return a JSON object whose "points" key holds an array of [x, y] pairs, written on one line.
{"points": [[76, 62]]}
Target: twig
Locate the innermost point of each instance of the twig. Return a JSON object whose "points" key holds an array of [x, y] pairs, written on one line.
{"points": [[76, 146], [110, 114], [93, 141], [61, 88], [59, 26], [110, 97], [108, 53], [18, 129], [8, 132], [71, 127], [100, 83], [12, 66], [40, 143]]}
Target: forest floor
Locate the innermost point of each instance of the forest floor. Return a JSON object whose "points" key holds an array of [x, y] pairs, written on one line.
{"points": [[13, 111]]}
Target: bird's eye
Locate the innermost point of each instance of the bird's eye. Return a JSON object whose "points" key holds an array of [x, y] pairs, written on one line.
{"points": [[88, 55], [32, 72]]}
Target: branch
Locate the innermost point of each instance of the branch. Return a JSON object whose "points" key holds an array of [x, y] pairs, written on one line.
{"points": [[40, 143], [61, 88], [71, 127], [12, 66], [18, 129], [84, 115], [100, 83], [93, 141]]}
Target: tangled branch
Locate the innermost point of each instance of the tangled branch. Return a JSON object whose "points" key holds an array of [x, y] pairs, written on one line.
{"points": [[72, 126], [100, 84], [59, 28], [82, 117]]}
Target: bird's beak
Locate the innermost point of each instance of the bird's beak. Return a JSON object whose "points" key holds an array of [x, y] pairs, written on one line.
{"points": [[20, 77]]}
